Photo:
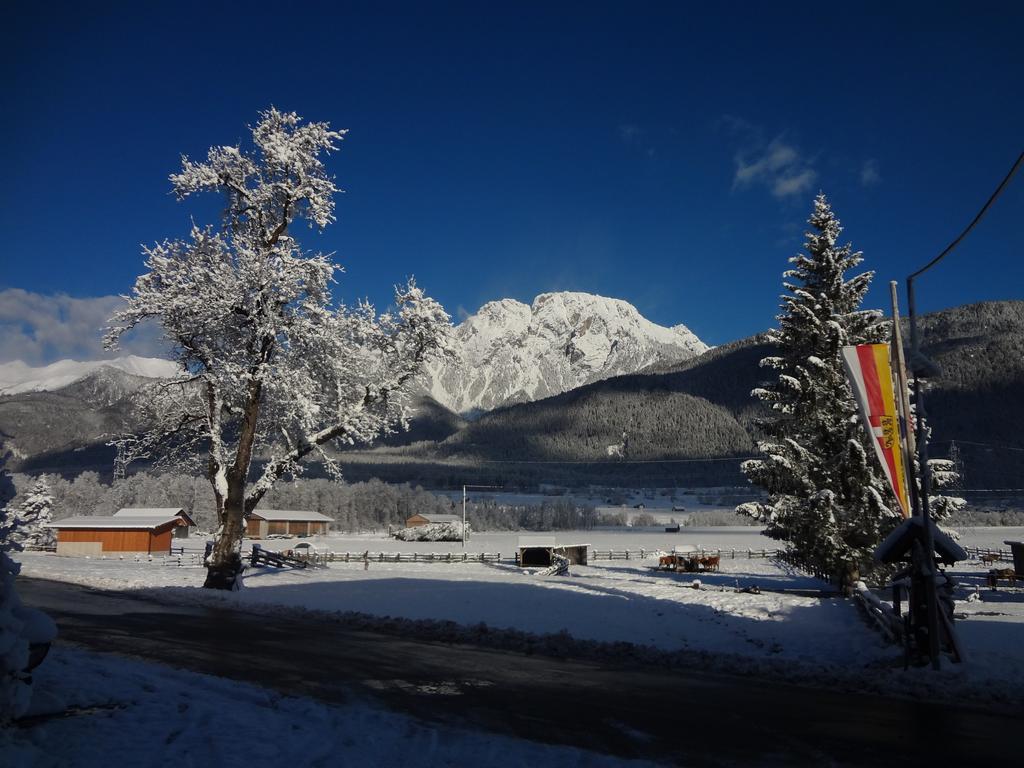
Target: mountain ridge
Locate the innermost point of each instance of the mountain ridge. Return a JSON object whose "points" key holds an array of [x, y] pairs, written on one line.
{"points": [[510, 352], [16, 376]]}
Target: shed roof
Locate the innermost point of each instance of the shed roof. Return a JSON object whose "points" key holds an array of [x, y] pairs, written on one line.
{"points": [[161, 512], [114, 523], [292, 515], [445, 518], [900, 540]]}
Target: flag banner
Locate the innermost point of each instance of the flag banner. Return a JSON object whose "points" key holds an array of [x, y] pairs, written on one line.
{"points": [[870, 374]]}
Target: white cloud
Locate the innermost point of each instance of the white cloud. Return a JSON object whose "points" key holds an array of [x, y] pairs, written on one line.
{"points": [[39, 329], [869, 175], [630, 133], [792, 185], [779, 167]]}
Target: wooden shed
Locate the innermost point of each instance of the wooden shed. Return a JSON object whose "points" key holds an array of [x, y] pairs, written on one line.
{"points": [[421, 519], [537, 551], [180, 532], [285, 522], [99, 535]]}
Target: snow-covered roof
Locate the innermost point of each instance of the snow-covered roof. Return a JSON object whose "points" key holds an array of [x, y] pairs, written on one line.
{"points": [[102, 521], [294, 515], [898, 542], [162, 512], [440, 518], [148, 511]]}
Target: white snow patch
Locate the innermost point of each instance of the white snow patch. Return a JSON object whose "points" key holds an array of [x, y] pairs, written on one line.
{"points": [[16, 376]]}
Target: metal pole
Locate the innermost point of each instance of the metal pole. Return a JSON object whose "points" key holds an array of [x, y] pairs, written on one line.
{"points": [[463, 517], [931, 597], [909, 444]]}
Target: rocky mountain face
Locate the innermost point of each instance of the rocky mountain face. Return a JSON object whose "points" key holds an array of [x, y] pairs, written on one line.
{"points": [[510, 352], [69, 426]]}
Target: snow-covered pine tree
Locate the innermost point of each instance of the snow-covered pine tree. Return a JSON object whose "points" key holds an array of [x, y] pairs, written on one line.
{"points": [[34, 512], [271, 365], [826, 497]]}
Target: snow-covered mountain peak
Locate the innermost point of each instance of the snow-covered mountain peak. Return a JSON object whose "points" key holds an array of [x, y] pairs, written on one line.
{"points": [[16, 376], [512, 352]]}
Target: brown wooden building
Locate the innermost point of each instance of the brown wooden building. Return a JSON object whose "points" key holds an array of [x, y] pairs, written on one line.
{"points": [[419, 519], [285, 522], [180, 532], [99, 535]]}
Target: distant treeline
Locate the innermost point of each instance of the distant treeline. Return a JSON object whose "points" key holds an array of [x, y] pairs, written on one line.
{"points": [[360, 506]]}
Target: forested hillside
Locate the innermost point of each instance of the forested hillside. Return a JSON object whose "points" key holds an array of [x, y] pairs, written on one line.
{"points": [[699, 411], [702, 408]]}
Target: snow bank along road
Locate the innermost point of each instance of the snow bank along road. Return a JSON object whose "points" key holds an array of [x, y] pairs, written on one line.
{"points": [[630, 711]]}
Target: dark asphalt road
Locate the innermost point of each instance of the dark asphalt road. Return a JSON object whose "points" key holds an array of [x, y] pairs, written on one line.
{"points": [[673, 716]]}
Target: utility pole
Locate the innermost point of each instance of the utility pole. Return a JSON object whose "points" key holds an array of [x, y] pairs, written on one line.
{"points": [[921, 366], [464, 487]]}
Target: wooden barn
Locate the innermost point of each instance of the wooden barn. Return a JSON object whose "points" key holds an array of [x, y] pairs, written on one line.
{"points": [[180, 532], [419, 519], [537, 551], [99, 535], [285, 522]]}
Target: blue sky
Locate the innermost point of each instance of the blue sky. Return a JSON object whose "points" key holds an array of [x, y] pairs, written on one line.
{"points": [[663, 153]]}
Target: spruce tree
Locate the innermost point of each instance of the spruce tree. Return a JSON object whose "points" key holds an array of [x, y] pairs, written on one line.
{"points": [[826, 496], [33, 515]]}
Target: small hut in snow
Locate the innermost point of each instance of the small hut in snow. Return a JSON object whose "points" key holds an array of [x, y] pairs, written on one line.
{"points": [[537, 551]]}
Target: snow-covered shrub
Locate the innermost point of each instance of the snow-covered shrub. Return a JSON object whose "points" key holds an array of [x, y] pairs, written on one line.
{"points": [[431, 532]]}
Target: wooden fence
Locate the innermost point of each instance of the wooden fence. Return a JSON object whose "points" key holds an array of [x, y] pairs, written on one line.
{"points": [[322, 558], [976, 553], [725, 554], [184, 560]]}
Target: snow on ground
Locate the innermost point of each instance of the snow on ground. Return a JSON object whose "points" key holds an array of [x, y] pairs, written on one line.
{"points": [[145, 714], [793, 621]]}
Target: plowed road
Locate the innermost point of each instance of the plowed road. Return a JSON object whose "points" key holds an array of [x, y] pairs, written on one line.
{"points": [[683, 717]]}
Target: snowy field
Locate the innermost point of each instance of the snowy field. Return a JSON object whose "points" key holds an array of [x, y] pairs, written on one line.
{"points": [[792, 621], [141, 714]]}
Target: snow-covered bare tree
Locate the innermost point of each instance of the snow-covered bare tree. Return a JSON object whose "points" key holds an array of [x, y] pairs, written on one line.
{"points": [[272, 370], [34, 512], [826, 496]]}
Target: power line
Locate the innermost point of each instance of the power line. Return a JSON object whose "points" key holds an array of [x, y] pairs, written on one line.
{"points": [[981, 213]]}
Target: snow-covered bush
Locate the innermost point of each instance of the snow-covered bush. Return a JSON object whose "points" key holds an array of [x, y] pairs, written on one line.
{"points": [[431, 532]]}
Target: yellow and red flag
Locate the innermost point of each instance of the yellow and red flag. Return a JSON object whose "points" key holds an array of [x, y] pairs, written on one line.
{"points": [[867, 367]]}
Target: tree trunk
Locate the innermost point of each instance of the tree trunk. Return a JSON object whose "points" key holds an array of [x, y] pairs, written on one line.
{"points": [[224, 565]]}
